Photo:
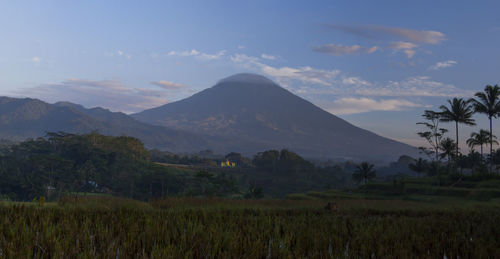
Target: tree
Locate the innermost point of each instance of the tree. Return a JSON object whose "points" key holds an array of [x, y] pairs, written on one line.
{"points": [[292, 163], [418, 166], [267, 160], [447, 147], [495, 158], [460, 111], [473, 160], [364, 172], [479, 139], [488, 103], [434, 134], [234, 157]]}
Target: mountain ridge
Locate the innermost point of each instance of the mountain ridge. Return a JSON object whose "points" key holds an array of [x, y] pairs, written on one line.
{"points": [[22, 118], [243, 113], [254, 111]]}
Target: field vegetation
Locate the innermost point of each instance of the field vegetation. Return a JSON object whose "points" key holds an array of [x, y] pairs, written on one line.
{"points": [[219, 228]]}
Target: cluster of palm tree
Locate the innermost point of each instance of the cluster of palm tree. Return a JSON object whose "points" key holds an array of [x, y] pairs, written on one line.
{"points": [[460, 111], [480, 139]]}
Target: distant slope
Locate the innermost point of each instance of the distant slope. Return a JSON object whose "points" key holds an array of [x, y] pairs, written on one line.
{"points": [[31, 118], [252, 114]]}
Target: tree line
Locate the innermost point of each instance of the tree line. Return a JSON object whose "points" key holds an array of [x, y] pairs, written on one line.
{"points": [[460, 111], [69, 164]]}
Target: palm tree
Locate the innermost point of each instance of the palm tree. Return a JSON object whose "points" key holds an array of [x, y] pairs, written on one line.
{"points": [[460, 111], [447, 147], [364, 172], [489, 104], [480, 138]]}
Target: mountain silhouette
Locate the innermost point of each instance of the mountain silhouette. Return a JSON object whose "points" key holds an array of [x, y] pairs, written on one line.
{"points": [[32, 118], [249, 113]]}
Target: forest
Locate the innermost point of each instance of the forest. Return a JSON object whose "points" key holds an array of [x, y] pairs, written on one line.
{"points": [[62, 164], [66, 164]]}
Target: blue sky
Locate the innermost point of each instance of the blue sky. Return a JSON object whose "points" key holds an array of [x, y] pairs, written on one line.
{"points": [[377, 64]]}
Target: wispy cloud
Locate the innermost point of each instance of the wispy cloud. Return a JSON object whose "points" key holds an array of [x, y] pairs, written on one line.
{"points": [[168, 85], [352, 86], [444, 64], [118, 53], [351, 105], [383, 32], [314, 81], [286, 74], [304, 74], [352, 94], [338, 50], [407, 47], [244, 59], [198, 54], [416, 86], [355, 81], [398, 39], [110, 94], [268, 57]]}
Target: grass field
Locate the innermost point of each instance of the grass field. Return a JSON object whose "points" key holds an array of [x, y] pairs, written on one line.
{"points": [[108, 227]]}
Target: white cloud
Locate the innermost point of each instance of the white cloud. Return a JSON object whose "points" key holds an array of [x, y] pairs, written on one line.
{"points": [[242, 58], [198, 54], [241, 47], [338, 50], [407, 47], [168, 85], [185, 53], [303, 74], [268, 57], [354, 94], [444, 64], [417, 86], [213, 56], [402, 45], [355, 81], [314, 82], [286, 74], [351, 105], [342, 85]]}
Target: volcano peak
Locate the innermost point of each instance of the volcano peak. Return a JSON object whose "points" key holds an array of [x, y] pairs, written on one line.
{"points": [[247, 78]]}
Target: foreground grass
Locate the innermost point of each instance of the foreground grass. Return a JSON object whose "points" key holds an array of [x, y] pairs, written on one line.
{"points": [[119, 228]]}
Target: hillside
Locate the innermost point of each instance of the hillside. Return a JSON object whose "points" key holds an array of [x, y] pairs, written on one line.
{"points": [[252, 114], [32, 118]]}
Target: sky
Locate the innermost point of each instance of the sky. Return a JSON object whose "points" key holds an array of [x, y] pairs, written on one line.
{"points": [[376, 64]]}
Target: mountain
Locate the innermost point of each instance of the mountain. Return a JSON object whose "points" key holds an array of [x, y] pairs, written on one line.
{"points": [[32, 118], [251, 113]]}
